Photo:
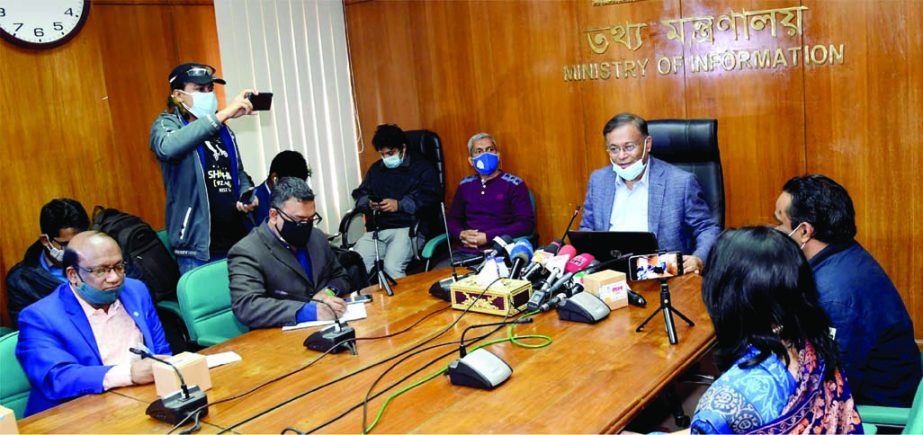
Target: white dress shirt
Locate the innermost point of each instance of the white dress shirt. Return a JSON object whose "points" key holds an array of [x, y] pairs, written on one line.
{"points": [[629, 209]]}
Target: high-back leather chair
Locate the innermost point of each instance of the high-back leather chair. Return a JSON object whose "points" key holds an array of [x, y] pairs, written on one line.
{"points": [[204, 295], [692, 145]]}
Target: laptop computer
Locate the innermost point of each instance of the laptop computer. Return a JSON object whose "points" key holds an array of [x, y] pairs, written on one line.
{"points": [[607, 245]]}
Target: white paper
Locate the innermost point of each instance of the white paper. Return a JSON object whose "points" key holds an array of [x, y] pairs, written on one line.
{"points": [[220, 359], [353, 312]]}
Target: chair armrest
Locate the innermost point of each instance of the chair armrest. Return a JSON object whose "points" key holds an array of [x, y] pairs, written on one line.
{"points": [[869, 429], [884, 415], [432, 244], [171, 306]]}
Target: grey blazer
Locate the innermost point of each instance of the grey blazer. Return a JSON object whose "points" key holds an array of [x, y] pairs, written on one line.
{"points": [[676, 210], [268, 284]]}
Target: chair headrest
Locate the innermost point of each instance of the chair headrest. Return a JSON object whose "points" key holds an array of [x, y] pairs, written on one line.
{"points": [[685, 140]]}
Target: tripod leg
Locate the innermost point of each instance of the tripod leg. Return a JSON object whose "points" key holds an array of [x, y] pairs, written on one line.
{"points": [[668, 323], [690, 322], [648, 319]]}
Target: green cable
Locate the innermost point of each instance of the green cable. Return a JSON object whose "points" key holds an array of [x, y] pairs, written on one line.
{"points": [[515, 339]]}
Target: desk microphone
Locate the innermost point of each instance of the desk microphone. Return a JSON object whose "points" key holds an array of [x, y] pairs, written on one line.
{"points": [[569, 224], [481, 368], [177, 406], [442, 288], [334, 339]]}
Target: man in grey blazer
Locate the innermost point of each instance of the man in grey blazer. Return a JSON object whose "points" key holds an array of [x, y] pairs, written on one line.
{"points": [[284, 271], [641, 193]]}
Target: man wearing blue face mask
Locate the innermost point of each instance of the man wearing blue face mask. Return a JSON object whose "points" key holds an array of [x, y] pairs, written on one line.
{"points": [[490, 204], [76, 340], [638, 192], [202, 171], [393, 193]]}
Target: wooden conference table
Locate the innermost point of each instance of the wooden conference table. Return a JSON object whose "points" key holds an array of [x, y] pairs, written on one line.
{"points": [[592, 378]]}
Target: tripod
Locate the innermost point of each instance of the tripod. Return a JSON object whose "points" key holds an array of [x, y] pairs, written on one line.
{"points": [[667, 307], [384, 280]]}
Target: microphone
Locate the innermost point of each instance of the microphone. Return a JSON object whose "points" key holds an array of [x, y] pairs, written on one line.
{"points": [[574, 266], [571, 223], [556, 267], [178, 406], [539, 258], [334, 339], [440, 289], [521, 254], [481, 368]]}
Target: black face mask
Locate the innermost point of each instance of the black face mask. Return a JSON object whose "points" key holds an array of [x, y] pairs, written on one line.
{"points": [[294, 234]]}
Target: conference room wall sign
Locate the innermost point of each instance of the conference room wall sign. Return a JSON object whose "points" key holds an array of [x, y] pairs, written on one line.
{"points": [[716, 44]]}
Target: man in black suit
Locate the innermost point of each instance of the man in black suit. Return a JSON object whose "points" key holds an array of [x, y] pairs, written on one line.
{"points": [[284, 271]]}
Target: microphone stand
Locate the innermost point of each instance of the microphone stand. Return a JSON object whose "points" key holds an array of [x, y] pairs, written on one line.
{"points": [[384, 280], [334, 339], [180, 405], [666, 307]]}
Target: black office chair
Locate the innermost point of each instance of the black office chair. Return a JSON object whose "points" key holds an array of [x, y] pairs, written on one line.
{"points": [[692, 145], [424, 144]]}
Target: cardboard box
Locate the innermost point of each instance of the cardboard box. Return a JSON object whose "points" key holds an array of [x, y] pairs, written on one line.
{"points": [[8, 421], [608, 285], [194, 368], [503, 298]]}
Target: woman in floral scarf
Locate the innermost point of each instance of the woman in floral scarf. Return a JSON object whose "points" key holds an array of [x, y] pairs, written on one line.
{"points": [[781, 367]]}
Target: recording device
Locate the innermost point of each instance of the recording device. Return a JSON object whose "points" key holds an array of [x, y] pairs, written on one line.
{"points": [[521, 253], [334, 339], [480, 368], [247, 196], [261, 101], [374, 198], [655, 266], [359, 299], [180, 405], [539, 258]]}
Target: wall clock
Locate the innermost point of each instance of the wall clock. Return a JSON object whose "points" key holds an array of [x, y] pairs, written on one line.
{"points": [[42, 23]]}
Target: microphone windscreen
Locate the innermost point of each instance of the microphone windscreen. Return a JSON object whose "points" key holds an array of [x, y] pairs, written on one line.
{"points": [[522, 252], [578, 263], [551, 248], [567, 250], [501, 243]]}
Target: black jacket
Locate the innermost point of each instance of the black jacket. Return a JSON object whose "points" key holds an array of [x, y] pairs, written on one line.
{"points": [[28, 282], [414, 184]]}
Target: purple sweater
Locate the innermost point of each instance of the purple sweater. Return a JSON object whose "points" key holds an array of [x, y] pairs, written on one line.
{"points": [[501, 206]]}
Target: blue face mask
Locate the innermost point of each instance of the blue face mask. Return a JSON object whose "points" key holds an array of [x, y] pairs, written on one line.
{"points": [[486, 163], [632, 171], [392, 161], [203, 103], [97, 297]]}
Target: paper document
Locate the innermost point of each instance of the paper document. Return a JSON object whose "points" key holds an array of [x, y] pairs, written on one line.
{"points": [[353, 312], [220, 359]]}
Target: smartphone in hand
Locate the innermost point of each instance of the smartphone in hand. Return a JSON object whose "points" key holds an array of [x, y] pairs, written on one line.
{"points": [[361, 299], [261, 101]]}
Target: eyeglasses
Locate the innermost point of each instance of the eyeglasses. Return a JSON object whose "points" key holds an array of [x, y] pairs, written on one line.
{"points": [[196, 71], [629, 148], [317, 219], [476, 152], [103, 271]]}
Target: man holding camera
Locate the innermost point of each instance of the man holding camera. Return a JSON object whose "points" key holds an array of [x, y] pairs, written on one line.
{"points": [[202, 172]]}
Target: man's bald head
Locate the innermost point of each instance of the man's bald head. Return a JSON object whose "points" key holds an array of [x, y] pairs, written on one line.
{"points": [[90, 250]]}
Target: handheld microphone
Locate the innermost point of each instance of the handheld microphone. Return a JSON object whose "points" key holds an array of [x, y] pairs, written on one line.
{"points": [[178, 406], [334, 339], [481, 368], [576, 265], [521, 254], [539, 258]]}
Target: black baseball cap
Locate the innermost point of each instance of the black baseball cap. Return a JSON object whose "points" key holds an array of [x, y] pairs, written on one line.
{"points": [[197, 73]]}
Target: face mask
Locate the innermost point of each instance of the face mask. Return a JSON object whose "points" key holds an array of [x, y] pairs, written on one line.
{"points": [[392, 161], [793, 232], [486, 163], [57, 254], [295, 235], [631, 172], [203, 103], [97, 297]]}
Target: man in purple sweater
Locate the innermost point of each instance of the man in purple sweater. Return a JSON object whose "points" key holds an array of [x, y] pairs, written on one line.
{"points": [[489, 204]]}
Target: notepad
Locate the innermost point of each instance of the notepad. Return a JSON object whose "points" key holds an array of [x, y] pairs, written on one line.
{"points": [[353, 312]]}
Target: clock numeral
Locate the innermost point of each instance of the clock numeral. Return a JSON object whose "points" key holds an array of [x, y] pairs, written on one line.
{"points": [[39, 32], [69, 11], [18, 26], [58, 26], [2, 12]]}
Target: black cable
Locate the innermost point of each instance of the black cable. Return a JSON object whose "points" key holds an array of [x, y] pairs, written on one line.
{"points": [[195, 427], [393, 334], [404, 352], [285, 375]]}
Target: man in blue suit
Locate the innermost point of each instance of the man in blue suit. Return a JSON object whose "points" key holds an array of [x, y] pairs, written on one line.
{"points": [[76, 340], [641, 193]]}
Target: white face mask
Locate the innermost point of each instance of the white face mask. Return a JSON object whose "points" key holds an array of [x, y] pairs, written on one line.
{"points": [[793, 232], [57, 254], [203, 103], [633, 170]]}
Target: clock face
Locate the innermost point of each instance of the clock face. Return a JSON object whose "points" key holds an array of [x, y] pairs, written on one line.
{"points": [[41, 23]]}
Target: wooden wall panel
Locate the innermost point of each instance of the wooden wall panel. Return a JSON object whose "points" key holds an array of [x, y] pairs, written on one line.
{"points": [[497, 66], [77, 123], [864, 130]]}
